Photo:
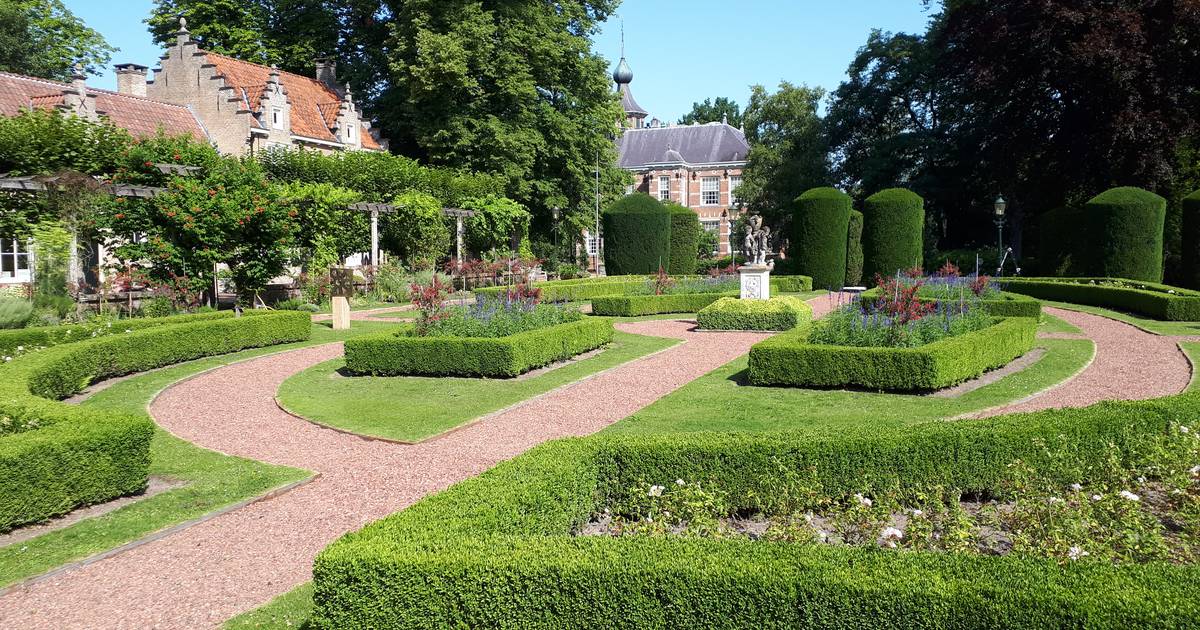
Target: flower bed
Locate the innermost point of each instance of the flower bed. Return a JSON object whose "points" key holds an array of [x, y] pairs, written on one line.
{"points": [[588, 288], [404, 353], [791, 359], [26, 339], [56, 457], [1159, 301], [637, 305], [729, 313], [503, 549]]}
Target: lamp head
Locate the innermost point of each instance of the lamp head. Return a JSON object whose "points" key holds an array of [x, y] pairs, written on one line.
{"points": [[1000, 205]]}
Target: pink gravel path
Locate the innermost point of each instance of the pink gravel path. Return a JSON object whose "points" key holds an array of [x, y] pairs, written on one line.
{"points": [[202, 575], [1129, 364]]}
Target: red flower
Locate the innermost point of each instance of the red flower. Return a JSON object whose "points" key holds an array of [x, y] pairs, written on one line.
{"points": [[170, 213], [178, 157], [148, 163], [120, 215], [212, 193]]}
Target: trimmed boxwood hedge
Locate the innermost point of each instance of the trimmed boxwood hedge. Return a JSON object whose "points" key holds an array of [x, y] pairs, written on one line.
{"points": [[789, 359], [588, 288], [46, 336], [1127, 234], [637, 305], [1191, 240], [398, 353], [637, 235], [498, 551], [1154, 301], [78, 456], [854, 250], [778, 313], [893, 232], [685, 240], [820, 227]]}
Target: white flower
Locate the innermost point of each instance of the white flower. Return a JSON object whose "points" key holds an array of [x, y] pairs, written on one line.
{"points": [[889, 537], [1183, 429], [1125, 494], [864, 501], [1076, 487], [680, 482], [1076, 553], [1056, 500], [1141, 480], [8, 358], [128, 330], [1096, 497], [916, 512], [656, 491], [20, 348], [1171, 291], [1195, 470]]}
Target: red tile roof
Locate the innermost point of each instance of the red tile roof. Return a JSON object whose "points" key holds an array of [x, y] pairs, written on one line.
{"points": [[314, 104], [140, 116]]}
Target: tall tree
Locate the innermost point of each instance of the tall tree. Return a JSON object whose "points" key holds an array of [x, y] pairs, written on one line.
{"points": [[42, 38], [722, 108], [787, 148]]}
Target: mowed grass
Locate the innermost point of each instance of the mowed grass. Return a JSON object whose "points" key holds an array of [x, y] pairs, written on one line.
{"points": [[290, 610], [213, 480], [1052, 324], [1155, 326], [411, 408], [722, 401]]}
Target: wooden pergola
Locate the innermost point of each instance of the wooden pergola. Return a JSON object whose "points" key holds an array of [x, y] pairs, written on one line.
{"points": [[36, 184], [377, 209]]}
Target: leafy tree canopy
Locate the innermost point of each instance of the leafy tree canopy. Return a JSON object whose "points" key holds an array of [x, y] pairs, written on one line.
{"points": [[42, 38], [714, 111], [787, 148]]}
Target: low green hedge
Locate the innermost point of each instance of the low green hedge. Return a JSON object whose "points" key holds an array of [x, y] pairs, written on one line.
{"points": [[789, 359], [1004, 305], [56, 457], [730, 313], [498, 551], [398, 353], [1158, 301], [46, 336], [636, 305], [588, 288], [791, 284]]}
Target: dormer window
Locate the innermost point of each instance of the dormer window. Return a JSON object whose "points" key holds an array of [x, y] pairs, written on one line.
{"points": [[277, 118]]}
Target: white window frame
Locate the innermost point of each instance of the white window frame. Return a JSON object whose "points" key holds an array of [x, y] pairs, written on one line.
{"points": [[735, 182], [13, 254], [710, 197], [664, 193], [591, 245], [350, 133], [277, 118]]}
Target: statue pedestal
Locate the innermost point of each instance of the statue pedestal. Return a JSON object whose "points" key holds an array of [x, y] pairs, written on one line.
{"points": [[756, 281], [341, 313]]}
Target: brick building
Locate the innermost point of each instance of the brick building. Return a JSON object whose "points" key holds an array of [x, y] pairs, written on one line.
{"points": [[246, 107], [698, 166]]}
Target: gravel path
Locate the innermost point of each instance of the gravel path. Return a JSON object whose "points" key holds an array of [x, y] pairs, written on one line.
{"points": [[205, 574], [1129, 364]]}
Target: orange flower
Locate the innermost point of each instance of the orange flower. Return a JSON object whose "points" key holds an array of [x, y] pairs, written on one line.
{"points": [[120, 215]]}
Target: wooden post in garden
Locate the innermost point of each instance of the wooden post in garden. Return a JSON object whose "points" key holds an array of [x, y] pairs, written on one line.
{"points": [[459, 233], [341, 284], [374, 237]]}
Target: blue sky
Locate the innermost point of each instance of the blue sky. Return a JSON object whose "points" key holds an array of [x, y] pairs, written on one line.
{"points": [[681, 51]]}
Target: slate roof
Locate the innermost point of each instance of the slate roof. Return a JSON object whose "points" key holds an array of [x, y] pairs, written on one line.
{"points": [[140, 116], [314, 104], [712, 143], [628, 104]]}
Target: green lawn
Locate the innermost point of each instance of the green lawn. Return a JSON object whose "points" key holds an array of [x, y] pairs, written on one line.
{"points": [[213, 480], [411, 408], [290, 610], [721, 401], [1052, 324], [1155, 326]]}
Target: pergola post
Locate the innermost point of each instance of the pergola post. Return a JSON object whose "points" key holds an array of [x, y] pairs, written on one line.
{"points": [[458, 242], [375, 237]]}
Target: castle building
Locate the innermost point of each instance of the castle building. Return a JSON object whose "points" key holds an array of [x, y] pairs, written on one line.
{"points": [[698, 166]]}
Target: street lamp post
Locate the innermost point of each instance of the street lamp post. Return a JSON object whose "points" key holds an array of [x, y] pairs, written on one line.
{"points": [[999, 206]]}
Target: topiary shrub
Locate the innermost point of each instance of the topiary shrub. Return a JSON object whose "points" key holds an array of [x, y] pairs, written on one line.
{"points": [[1191, 241], [819, 228], [685, 240], [1062, 246], [637, 235], [893, 231], [1126, 234], [854, 250], [15, 312]]}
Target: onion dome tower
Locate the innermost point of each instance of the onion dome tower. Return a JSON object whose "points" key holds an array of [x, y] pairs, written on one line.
{"points": [[635, 116]]}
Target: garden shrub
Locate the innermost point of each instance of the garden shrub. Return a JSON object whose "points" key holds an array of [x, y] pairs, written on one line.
{"points": [[637, 235], [893, 232], [1158, 301], [589, 288], [1191, 240], [789, 359], [778, 313], [499, 224], [417, 233], [27, 339], [685, 240], [56, 457], [854, 250], [499, 549], [638, 305], [1001, 305], [791, 284], [1126, 234], [398, 353], [15, 313], [820, 227]]}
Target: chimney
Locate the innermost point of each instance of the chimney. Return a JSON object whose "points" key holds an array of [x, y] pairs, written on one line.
{"points": [[327, 72], [131, 79]]}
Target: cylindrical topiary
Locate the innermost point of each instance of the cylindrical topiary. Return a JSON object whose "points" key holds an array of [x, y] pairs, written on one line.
{"points": [[819, 228], [1126, 234], [637, 235], [685, 239], [1191, 240], [854, 250], [893, 232]]}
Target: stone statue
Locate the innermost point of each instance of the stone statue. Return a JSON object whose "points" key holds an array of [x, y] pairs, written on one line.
{"points": [[757, 243]]}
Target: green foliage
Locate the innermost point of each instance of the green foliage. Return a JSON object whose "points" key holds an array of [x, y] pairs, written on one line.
{"points": [[893, 230], [497, 317], [707, 243], [779, 313], [56, 457], [1158, 301], [1191, 240], [36, 337], [52, 257], [328, 230], [418, 232], [685, 240], [820, 227], [638, 305], [43, 38], [1062, 247], [854, 250], [498, 224], [499, 357], [637, 235], [1126, 234], [787, 149], [588, 288], [15, 312], [790, 359], [720, 110], [870, 325], [157, 307]]}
